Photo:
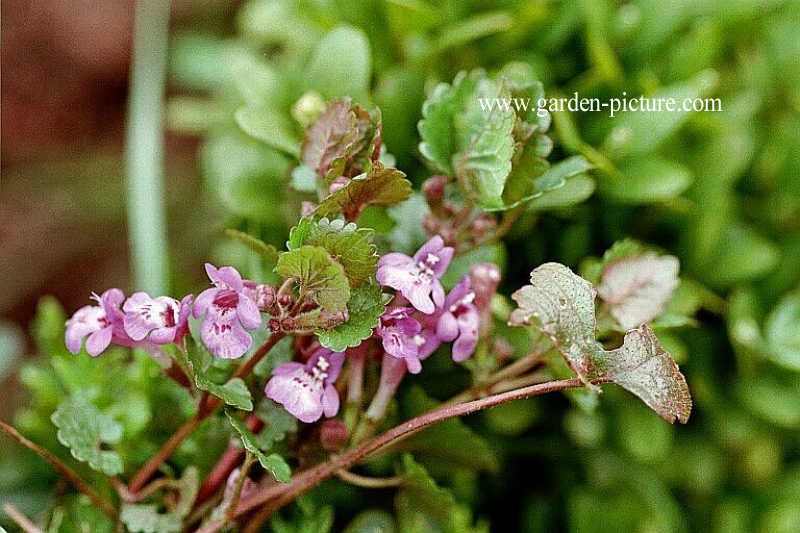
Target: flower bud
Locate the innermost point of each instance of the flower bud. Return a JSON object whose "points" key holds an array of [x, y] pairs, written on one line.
{"points": [[265, 296], [308, 108], [307, 208], [333, 435], [434, 188], [338, 183], [484, 278]]}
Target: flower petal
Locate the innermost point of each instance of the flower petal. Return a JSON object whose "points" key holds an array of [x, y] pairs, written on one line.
{"points": [[231, 278], [204, 299], [330, 401], [224, 338], [298, 395], [248, 313], [467, 340], [99, 341], [419, 296], [447, 327]]}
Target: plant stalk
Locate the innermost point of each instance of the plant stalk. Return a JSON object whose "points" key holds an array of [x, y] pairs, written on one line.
{"points": [[147, 232]]}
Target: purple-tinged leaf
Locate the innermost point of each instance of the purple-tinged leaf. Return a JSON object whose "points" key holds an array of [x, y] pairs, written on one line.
{"points": [[562, 305], [637, 289]]}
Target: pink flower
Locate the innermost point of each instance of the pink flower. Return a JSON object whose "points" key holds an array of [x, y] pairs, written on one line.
{"points": [[228, 307], [159, 320], [457, 320], [460, 320], [417, 278], [307, 391], [101, 323], [399, 333]]}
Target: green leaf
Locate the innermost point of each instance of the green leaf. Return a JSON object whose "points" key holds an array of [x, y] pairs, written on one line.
{"points": [[576, 190], [270, 127], [347, 244], [562, 304], [485, 146], [196, 360], [267, 252], [85, 430], [782, 328], [647, 180], [273, 463], [247, 176], [438, 115], [641, 132], [145, 518], [234, 392], [319, 276], [278, 422], [530, 179], [341, 65], [422, 505], [372, 521], [378, 186], [364, 309], [304, 179]]}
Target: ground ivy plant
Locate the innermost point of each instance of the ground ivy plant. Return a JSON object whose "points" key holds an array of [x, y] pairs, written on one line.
{"points": [[257, 391]]}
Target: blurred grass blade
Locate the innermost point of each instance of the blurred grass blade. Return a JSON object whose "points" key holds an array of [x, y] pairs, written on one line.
{"points": [[144, 167]]}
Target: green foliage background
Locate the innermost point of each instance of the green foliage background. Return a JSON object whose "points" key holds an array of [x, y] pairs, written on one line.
{"points": [[719, 190]]}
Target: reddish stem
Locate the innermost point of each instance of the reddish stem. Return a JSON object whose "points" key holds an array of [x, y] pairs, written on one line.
{"points": [[232, 458], [277, 495], [208, 404]]}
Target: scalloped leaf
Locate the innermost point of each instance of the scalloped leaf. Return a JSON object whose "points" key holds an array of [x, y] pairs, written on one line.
{"points": [[422, 505], [438, 114], [562, 305], [84, 429], [379, 186], [527, 181], [485, 143], [196, 360], [347, 244], [319, 276], [145, 518], [637, 289], [272, 463], [365, 307]]}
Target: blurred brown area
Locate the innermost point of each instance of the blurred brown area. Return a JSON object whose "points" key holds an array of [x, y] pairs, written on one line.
{"points": [[62, 210]]}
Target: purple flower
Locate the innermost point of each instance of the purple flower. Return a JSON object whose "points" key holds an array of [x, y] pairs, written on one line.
{"points": [[417, 278], [228, 309], [400, 335], [101, 323], [306, 390], [458, 320], [159, 320]]}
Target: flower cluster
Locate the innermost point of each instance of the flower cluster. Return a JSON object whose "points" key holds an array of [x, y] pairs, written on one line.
{"points": [[149, 323], [420, 318]]}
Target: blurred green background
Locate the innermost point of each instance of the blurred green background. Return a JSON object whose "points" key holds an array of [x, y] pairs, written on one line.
{"points": [[719, 190]]}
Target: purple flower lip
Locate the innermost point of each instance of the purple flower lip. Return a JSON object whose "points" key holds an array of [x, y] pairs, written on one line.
{"points": [[307, 390], [417, 278], [399, 333], [229, 307]]}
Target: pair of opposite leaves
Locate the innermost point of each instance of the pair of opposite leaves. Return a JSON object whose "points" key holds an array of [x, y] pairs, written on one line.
{"points": [[563, 304]]}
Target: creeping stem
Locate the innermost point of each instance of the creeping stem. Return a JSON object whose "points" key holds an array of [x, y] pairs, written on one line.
{"points": [[208, 404], [66, 471], [273, 497]]}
